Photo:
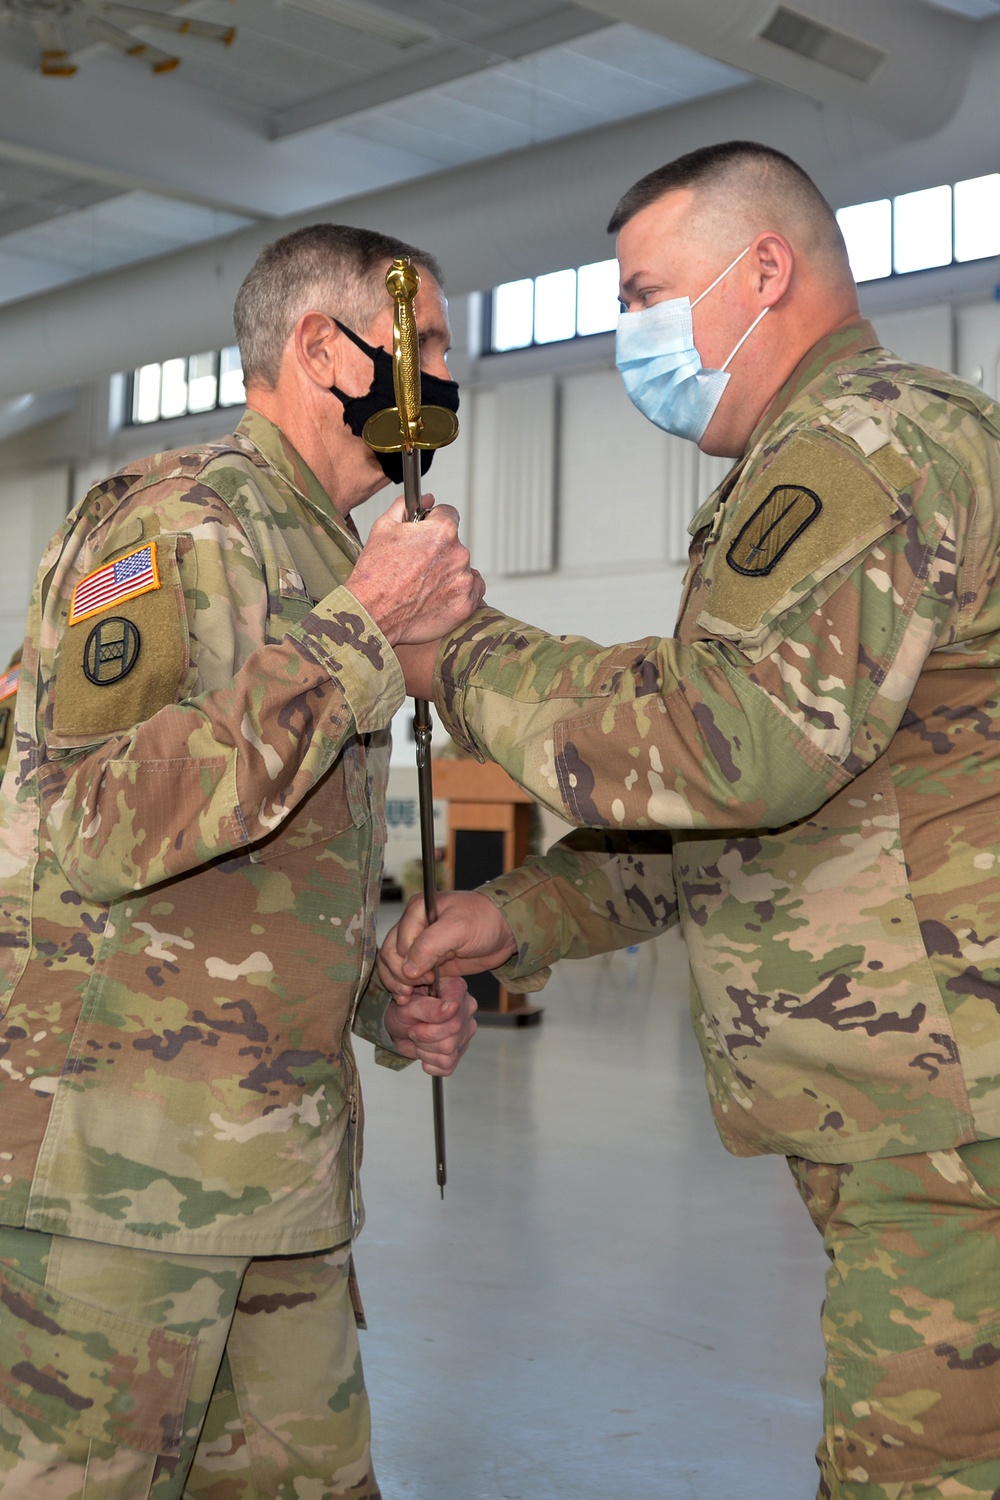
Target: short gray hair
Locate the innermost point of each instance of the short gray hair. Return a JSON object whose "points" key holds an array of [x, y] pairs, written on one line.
{"points": [[334, 268]]}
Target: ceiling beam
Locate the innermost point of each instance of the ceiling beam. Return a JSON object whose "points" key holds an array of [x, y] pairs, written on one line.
{"points": [[441, 67], [116, 182]]}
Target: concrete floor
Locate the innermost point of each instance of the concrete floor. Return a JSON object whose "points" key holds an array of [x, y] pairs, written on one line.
{"points": [[606, 1305]]}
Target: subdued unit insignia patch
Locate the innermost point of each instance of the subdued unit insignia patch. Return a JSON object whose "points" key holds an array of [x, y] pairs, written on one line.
{"points": [[129, 662], [126, 578], [111, 652], [816, 505], [776, 523]]}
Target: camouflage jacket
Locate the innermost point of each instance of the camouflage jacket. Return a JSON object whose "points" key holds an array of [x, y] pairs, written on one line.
{"points": [[822, 739], [190, 862]]}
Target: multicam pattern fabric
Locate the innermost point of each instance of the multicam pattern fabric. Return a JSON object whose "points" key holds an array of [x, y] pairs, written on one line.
{"points": [[814, 759], [911, 1323], [8, 693], [190, 862], [97, 1404]]}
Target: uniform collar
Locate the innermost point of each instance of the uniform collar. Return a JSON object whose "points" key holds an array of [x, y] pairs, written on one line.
{"points": [[276, 450], [844, 344]]}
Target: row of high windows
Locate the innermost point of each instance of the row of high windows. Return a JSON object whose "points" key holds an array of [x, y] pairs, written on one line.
{"points": [[937, 226], [181, 387]]}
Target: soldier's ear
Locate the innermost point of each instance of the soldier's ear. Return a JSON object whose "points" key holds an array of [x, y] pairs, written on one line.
{"points": [[315, 342], [772, 261]]}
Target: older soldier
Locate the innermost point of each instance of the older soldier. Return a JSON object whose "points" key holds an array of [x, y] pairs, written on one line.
{"points": [[190, 869], [822, 741]]}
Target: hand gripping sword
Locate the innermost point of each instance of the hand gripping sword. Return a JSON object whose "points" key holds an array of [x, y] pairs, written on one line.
{"points": [[406, 428]]}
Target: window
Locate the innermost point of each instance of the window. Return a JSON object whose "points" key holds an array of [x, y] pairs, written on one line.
{"points": [[867, 231], [932, 227], [935, 226], [553, 308], [183, 387], [921, 230], [977, 217]]}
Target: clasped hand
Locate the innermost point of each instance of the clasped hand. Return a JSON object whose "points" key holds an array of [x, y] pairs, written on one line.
{"points": [[433, 1029], [416, 581], [470, 935]]}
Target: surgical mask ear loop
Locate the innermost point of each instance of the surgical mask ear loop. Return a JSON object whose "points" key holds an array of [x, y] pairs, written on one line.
{"points": [[721, 277], [743, 340]]}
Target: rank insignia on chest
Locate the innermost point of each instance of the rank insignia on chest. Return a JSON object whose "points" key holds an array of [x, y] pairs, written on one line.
{"points": [[135, 573], [776, 523]]}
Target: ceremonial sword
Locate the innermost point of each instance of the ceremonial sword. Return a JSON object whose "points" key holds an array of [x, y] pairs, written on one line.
{"points": [[407, 428]]}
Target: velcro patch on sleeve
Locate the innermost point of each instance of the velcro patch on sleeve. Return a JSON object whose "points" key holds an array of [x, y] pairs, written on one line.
{"points": [[813, 509], [125, 659], [116, 582]]}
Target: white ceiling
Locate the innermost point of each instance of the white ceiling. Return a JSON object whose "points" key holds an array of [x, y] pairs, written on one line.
{"points": [[118, 164], [317, 101]]}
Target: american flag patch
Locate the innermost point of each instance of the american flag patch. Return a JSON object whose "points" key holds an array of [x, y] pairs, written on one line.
{"points": [[135, 573], [8, 683]]}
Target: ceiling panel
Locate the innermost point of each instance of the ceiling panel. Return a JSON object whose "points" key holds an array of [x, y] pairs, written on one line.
{"points": [[553, 93], [123, 229]]}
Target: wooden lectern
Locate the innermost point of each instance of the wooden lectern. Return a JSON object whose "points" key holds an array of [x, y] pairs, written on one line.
{"points": [[489, 819]]}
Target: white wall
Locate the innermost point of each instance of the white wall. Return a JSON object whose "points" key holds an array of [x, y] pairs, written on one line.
{"points": [[977, 332], [32, 506]]}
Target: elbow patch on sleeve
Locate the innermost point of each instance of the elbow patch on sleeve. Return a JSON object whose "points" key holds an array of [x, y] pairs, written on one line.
{"points": [[125, 651]]}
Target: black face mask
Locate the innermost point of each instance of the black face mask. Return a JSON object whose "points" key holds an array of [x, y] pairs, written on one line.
{"points": [[382, 393]]}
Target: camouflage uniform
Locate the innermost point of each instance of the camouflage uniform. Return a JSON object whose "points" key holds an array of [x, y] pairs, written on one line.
{"points": [[190, 869], [8, 693], [822, 740]]}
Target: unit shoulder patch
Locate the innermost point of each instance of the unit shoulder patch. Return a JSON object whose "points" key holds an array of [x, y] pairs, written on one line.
{"points": [[776, 523], [111, 651], [815, 507], [116, 670]]}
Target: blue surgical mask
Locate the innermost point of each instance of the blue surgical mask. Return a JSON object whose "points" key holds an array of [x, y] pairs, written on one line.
{"points": [[662, 369]]}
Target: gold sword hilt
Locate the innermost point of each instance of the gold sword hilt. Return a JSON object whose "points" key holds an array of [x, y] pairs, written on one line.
{"points": [[408, 424]]}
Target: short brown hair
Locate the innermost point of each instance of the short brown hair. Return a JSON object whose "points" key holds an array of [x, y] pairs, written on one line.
{"points": [[336, 268], [742, 188]]}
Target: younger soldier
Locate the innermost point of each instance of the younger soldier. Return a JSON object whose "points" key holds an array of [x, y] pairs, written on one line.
{"points": [[190, 865], [807, 778]]}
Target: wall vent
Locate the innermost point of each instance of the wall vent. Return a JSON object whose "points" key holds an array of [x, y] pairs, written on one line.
{"points": [[809, 38]]}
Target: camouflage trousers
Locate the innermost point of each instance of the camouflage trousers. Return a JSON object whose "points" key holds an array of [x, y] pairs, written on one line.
{"points": [[911, 1324], [127, 1374]]}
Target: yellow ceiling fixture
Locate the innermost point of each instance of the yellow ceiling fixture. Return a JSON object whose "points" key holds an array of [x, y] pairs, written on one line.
{"points": [[54, 21]]}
